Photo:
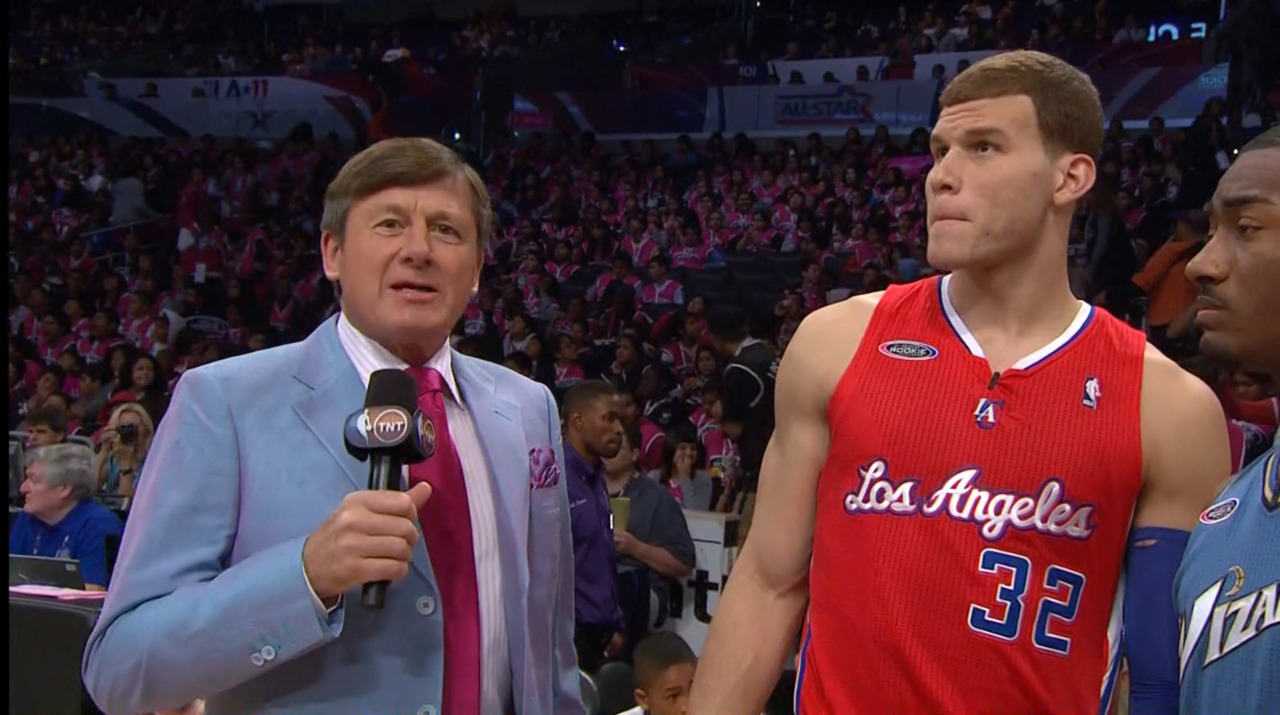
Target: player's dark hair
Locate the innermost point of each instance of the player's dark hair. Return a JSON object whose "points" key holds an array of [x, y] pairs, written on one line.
{"points": [[657, 653], [727, 322], [585, 393], [50, 417]]}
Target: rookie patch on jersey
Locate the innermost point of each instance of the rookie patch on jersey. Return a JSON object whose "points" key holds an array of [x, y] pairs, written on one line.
{"points": [[908, 350], [1219, 512]]}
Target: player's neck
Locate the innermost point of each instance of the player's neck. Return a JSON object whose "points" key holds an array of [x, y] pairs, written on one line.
{"points": [[1015, 308]]}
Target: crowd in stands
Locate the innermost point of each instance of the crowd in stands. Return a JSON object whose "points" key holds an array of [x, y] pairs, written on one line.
{"points": [[1071, 29], [130, 265], [54, 48]]}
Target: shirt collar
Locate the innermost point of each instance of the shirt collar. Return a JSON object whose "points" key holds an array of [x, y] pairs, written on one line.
{"points": [[367, 355], [583, 466], [744, 345]]}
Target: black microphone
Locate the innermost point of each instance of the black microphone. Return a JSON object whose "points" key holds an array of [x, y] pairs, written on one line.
{"points": [[388, 432]]}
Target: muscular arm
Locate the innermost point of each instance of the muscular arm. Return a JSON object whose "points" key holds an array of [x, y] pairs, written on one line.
{"points": [[759, 615], [1184, 444], [1187, 458]]}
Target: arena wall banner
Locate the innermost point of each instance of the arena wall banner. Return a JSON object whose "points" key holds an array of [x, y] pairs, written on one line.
{"points": [[845, 69], [184, 118], [254, 108], [827, 108]]}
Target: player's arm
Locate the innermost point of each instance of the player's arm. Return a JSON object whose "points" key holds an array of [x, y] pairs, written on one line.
{"points": [[759, 615], [1187, 458]]}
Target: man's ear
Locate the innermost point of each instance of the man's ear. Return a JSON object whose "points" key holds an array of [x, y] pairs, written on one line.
{"points": [[331, 255], [642, 699], [1076, 174]]}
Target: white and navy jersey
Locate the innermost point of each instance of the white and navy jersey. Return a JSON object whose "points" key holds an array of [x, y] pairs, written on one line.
{"points": [[1228, 597]]}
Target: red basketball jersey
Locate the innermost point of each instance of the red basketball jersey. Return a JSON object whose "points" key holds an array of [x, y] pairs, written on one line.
{"points": [[970, 531]]}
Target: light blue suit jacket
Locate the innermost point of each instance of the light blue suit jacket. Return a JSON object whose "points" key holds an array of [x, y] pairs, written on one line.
{"points": [[209, 597]]}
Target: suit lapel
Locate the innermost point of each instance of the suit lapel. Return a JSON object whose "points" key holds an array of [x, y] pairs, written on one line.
{"points": [[500, 427], [330, 390]]}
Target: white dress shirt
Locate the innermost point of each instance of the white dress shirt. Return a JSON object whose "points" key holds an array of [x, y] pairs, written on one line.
{"points": [[495, 660]]}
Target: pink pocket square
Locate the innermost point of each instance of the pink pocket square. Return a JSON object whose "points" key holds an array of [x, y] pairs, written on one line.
{"points": [[543, 470]]}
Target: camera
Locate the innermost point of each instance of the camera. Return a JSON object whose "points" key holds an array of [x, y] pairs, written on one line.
{"points": [[128, 434]]}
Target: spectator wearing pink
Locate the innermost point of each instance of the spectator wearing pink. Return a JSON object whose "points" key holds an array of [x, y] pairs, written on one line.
{"points": [[72, 368], [760, 238], [54, 337], [517, 335], [561, 265], [621, 272], [908, 231], [767, 190], [567, 368], [77, 258], [680, 355], [716, 235], [79, 322], [103, 336], [138, 321], [786, 215], [652, 438], [193, 201], [743, 214], [639, 247], [661, 290], [283, 307], [692, 253], [25, 319]]}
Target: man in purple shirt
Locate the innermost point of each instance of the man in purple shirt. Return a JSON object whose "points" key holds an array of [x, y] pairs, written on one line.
{"points": [[592, 434]]}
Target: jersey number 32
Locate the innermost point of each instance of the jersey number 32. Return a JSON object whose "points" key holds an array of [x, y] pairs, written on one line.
{"points": [[1060, 604]]}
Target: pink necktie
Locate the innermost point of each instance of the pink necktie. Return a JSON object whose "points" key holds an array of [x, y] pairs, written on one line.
{"points": [[446, 531]]}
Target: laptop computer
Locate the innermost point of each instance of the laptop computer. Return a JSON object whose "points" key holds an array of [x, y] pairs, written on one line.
{"points": [[45, 571]]}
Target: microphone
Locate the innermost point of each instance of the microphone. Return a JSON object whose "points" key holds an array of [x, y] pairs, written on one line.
{"points": [[389, 433]]}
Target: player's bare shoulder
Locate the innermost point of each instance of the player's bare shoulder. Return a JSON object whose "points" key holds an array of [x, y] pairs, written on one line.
{"points": [[824, 345], [1180, 414]]}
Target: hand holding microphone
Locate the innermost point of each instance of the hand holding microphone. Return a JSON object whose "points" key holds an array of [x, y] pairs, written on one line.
{"points": [[369, 539]]}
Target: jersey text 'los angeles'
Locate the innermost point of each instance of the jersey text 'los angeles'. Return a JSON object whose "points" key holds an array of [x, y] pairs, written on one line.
{"points": [[971, 528]]}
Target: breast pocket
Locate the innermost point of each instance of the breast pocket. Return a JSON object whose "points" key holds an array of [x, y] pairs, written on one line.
{"points": [[547, 511]]}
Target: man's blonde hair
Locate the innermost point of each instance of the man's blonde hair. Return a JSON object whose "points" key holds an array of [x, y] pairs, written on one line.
{"points": [[403, 161], [1068, 110]]}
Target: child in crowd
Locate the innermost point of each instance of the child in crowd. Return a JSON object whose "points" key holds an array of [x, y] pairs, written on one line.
{"points": [[664, 667]]}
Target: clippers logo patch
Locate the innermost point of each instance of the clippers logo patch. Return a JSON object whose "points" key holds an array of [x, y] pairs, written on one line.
{"points": [[1092, 393], [1219, 512], [908, 350], [986, 413]]}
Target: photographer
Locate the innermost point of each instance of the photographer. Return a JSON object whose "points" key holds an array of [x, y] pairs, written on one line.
{"points": [[123, 449]]}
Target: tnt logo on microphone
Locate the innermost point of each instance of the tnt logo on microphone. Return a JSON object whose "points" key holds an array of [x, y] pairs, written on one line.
{"points": [[383, 426]]}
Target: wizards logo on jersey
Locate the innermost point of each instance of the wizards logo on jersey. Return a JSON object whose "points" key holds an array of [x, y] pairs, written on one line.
{"points": [[986, 413]]}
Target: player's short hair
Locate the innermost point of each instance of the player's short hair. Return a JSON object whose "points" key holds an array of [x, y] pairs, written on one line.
{"points": [[658, 652], [1269, 139], [727, 322], [50, 417], [585, 393], [403, 161], [1068, 110]]}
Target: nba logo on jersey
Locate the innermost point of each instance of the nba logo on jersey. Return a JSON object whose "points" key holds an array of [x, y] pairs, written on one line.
{"points": [[986, 413], [1092, 393]]}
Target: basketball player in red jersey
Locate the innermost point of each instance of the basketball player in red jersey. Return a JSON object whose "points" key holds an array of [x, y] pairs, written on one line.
{"points": [[964, 467]]}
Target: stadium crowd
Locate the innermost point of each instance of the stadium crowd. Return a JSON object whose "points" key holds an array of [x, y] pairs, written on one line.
{"points": [[131, 265], [677, 273]]}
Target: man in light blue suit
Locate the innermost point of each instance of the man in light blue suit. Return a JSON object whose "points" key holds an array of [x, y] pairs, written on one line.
{"points": [[238, 579]]}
